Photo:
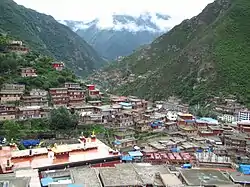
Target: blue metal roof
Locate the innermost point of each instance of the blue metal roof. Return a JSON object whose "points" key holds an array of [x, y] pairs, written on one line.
{"points": [[186, 165], [209, 120], [117, 142], [46, 181], [28, 143], [135, 153], [127, 158], [75, 185], [125, 104]]}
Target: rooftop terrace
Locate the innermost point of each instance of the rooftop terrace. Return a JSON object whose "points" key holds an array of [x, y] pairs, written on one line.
{"points": [[46, 161], [196, 177]]}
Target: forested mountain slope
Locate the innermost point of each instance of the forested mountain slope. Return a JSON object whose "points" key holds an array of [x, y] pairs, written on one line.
{"points": [[42, 33], [203, 57]]}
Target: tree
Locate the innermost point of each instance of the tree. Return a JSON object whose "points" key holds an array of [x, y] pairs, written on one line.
{"points": [[202, 110], [11, 130], [62, 119]]}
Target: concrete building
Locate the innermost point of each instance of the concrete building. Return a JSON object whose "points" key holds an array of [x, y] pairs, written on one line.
{"points": [[227, 118], [79, 176], [10, 96], [133, 175], [13, 87], [59, 96], [29, 112], [38, 92], [206, 177], [7, 112], [59, 66], [35, 101], [28, 72], [243, 116], [17, 47]]}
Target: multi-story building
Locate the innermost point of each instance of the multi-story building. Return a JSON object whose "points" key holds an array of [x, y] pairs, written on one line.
{"points": [[117, 100], [76, 93], [95, 103], [76, 97], [124, 119], [13, 87], [59, 66], [72, 85], [237, 142], [29, 112], [7, 112], [227, 118], [59, 96], [138, 103], [35, 100], [243, 116], [28, 72], [38, 92], [243, 126], [92, 119], [92, 91], [10, 96], [124, 140], [11, 92], [142, 126], [17, 47]]}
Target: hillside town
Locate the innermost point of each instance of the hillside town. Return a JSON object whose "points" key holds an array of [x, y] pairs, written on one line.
{"points": [[160, 143], [145, 143]]}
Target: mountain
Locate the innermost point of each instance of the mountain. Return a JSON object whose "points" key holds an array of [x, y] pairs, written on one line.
{"points": [[44, 34], [204, 57], [120, 34]]}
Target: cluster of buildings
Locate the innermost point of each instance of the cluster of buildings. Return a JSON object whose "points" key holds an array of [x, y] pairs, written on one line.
{"points": [[87, 161], [91, 163], [17, 103]]}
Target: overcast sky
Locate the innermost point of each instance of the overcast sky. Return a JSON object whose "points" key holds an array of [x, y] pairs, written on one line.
{"points": [[82, 10]]}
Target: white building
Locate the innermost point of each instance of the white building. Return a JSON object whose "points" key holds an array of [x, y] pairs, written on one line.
{"points": [[227, 118], [38, 92], [243, 116], [172, 116]]}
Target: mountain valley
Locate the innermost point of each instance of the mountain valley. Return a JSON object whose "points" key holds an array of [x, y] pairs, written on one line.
{"points": [[201, 58], [121, 34], [42, 33]]}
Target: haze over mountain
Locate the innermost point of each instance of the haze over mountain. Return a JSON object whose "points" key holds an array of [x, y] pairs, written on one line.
{"points": [[115, 28], [120, 35]]}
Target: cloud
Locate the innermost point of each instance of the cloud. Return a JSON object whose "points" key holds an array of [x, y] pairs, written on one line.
{"points": [[85, 10]]}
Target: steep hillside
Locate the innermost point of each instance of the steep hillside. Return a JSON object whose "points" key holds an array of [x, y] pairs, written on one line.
{"points": [[121, 34], [11, 64], [203, 57], [44, 34]]}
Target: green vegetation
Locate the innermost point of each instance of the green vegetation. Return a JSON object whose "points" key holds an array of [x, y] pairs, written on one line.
{"points": [[11, 63], [43, 34], [62, 119], [61, 123], [24, 129], [198, 59], [203, 110]]}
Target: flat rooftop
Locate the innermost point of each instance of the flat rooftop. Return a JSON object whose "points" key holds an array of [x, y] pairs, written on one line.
{"points": [[43, 161], [133, 175], [120, 176], [81, 176], [204, 177], [12, 181], [240, 178], [86, 176], [21, 178]]}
